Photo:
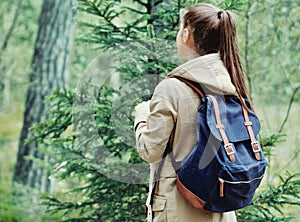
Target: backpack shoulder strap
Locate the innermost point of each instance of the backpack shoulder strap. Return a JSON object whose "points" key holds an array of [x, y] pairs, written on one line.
{"points": [[191, 84], [227, 145], [248, 124]]}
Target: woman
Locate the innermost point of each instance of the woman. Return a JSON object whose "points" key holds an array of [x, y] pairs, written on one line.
{"points": [[207, 41]]}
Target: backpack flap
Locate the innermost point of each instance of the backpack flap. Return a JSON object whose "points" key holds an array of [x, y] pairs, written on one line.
{"points": [[231, 117]]}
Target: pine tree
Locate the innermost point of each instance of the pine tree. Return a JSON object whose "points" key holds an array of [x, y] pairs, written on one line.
{"points": [[90, 129], [99, 153]]}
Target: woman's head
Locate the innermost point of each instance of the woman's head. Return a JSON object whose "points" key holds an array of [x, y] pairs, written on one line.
{"points": [[206, 29], [203, 24]]}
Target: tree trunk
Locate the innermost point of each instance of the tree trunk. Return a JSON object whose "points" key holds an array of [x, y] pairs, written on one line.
{"points": [[50, 70]]}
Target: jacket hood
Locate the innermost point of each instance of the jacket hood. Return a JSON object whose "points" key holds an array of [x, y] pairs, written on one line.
{"points": [[208, 70]]}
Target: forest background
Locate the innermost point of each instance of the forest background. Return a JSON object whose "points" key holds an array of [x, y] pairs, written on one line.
{"points": [[137, 39]]}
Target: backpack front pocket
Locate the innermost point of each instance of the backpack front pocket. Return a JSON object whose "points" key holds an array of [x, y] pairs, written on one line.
{"points": [[240, 188], [234, 187]]}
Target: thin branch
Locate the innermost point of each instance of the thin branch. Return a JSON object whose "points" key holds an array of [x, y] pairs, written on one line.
{"points": [[156, 3], [142, 3], [11, 29], [7, 83], [116, 28], [287, 74], [294, 157], [135, 10], [289, 109]]}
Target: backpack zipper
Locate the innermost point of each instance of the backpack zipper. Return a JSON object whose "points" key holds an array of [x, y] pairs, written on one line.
{"points": [[222, 181]]}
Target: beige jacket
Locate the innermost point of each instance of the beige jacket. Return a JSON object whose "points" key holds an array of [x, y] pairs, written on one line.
{"points": [[171, 113]]}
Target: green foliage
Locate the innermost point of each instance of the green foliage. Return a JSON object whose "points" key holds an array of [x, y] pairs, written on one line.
{"points": [[16, 48], [273, 39], [86, 129], [271, 200], [270, 141], [90, 130], [269, 203], [95, 197], [15, 207], [233, 5]]}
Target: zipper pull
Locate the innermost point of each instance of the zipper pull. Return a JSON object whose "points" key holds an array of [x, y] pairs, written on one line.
{"points": [[221, 187]]}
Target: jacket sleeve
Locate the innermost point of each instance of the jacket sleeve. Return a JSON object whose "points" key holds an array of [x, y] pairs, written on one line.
{"points": [[154, 123]]}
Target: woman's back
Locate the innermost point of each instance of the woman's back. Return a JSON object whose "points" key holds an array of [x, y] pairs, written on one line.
{"points": [[206, 39]]}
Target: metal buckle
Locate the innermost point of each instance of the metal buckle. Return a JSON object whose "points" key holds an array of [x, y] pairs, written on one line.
{"points": [[231, 146], [253, 145]]}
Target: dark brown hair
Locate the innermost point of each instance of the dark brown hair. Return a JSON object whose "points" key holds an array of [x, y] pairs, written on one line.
{"points": [[214, 31]]}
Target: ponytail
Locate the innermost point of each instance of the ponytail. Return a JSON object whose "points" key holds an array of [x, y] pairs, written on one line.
{"points": [[215, 31], [229, 52]]}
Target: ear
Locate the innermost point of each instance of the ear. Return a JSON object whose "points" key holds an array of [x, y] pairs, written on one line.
{"points": [[186, 35]]}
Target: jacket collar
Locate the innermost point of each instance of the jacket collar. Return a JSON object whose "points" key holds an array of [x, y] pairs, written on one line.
{"points": [[208, 70]]}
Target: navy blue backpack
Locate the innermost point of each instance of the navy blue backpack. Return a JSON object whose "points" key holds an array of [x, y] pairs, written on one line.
{"points": [[227, 164]]}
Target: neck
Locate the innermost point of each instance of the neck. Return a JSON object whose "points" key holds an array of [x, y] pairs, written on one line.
{"points": [[190, 54]]}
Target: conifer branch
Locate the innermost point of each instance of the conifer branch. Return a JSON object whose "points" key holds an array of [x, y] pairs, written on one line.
{"points": [[141, 3], [156, 3]]}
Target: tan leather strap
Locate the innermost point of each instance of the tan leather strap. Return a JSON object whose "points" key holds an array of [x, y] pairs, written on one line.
{"points": [[248, 124], [227, 145], [190, 85]]}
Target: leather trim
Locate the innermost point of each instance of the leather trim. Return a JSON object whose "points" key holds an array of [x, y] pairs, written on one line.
{"points": [[190, 197], [220, 127], [249, 124]]}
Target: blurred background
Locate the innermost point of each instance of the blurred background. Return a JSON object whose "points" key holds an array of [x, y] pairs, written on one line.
{"points": [[65, 59]]}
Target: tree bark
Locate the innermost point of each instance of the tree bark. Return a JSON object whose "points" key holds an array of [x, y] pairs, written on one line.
{"points": [[50, 71]]}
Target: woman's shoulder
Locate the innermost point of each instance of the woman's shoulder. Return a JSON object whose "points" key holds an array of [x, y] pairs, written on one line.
{"points": [[173, 88], [169, 85]]}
